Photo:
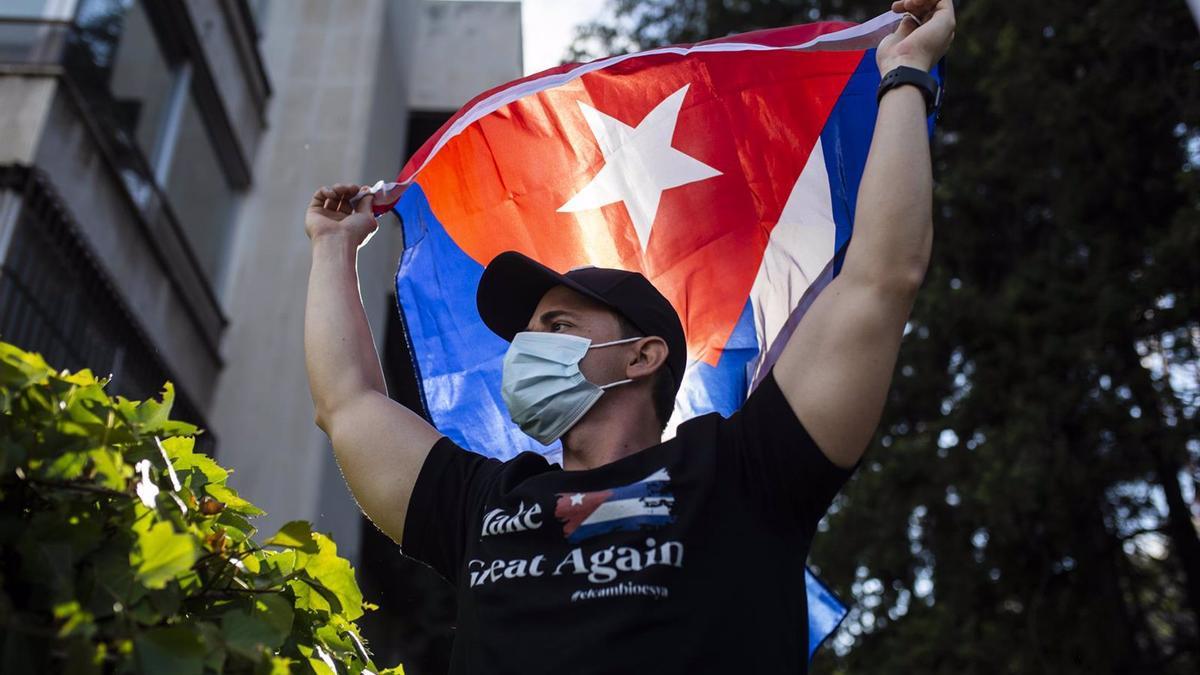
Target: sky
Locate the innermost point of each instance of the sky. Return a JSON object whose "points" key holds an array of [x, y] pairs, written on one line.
{"points": [[547, 27]]}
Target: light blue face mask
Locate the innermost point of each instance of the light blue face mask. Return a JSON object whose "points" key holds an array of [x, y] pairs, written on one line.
{"points": [[542, 386]]}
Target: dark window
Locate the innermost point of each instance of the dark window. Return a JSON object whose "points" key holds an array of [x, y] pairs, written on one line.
{"points": [[146, 95]]}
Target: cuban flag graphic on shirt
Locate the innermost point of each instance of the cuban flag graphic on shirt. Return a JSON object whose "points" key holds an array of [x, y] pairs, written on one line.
{"points": [[643, 505], [726, 172]]}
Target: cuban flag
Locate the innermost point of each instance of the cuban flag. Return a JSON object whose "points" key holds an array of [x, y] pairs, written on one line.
{"points": [[726, 172], [643, 505]]}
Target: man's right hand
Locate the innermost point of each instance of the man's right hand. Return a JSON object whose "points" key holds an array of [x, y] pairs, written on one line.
{"points": [[329, 212]]}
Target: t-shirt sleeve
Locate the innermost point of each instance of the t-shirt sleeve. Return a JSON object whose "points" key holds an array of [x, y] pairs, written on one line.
{"points": [[776, 463], [449, 489]]}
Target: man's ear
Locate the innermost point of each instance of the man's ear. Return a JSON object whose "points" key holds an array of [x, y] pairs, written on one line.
{"points": [[650, 354]]}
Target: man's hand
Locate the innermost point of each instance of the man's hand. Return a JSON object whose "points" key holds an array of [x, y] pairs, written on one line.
{"points": [[329, 212], [913, 45]]}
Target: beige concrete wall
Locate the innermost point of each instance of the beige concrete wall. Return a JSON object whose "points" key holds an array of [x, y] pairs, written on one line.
{"points": [[462, 49], [25, 101], [337, 115]]}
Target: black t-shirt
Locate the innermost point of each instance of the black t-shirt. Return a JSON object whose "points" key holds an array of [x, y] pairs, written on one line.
{"points": [[685, 557]]}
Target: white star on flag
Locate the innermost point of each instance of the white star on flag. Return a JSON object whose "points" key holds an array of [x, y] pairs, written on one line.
{"points": [[639, 163], [576, 499]]}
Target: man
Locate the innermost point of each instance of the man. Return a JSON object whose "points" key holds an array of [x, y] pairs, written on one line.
{"points": [[636, 555]]}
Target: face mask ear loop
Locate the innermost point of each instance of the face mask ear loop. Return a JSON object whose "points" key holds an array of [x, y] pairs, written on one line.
{"points": [[616, 342]]}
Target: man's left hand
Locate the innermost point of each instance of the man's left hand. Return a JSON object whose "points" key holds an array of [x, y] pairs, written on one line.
{"points": [[918, 45]]}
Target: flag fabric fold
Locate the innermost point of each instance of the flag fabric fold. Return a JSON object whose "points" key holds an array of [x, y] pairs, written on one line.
{"points": [[726, 172]]}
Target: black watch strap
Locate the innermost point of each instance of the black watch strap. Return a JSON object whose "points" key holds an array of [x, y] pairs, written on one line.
{"points": [[928, 84]]}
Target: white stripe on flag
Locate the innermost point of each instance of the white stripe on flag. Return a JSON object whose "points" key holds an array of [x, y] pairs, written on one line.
{"points": [[628, 508], [657, 476], [801, 244]]}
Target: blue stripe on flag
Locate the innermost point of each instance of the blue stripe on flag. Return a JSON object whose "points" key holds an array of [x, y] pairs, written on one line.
{"points": [[845, 140], [825, 611], [722, 388], [630, 524], [458, 359], [639, 490]]}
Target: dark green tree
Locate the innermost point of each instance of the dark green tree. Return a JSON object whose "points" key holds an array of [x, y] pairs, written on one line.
{"points": [[1029, 504]]}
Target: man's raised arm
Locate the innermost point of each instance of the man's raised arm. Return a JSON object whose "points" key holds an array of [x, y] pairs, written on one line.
{"points": [[837, 366], [379, 444]]}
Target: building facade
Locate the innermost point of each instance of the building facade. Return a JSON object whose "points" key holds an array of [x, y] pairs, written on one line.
{"points": [[156, 158]]}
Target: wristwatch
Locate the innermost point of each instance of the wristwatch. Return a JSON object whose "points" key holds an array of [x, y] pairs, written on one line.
{"points": [[930, 88]]}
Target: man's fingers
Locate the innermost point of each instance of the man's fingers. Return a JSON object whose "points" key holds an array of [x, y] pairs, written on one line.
{"points": [[907, 25], [943, 17], [920, 9], [364, 203], [322, 194], [339, 198], [344, 198]]}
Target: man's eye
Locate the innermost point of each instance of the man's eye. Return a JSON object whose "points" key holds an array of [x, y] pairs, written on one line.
{"points": [[554, 326]]}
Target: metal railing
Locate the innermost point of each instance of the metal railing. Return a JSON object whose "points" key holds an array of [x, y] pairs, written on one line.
{"points": [[55, 299]]}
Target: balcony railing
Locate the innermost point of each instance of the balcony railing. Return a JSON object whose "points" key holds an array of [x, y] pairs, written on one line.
{"points": [[55, 299]]}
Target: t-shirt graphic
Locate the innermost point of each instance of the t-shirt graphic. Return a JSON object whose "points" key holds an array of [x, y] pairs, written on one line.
{"points": [[685, 557], [643, 505]]}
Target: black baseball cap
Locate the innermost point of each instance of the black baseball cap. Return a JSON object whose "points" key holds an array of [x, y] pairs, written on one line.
{"points": [[513, 284]]}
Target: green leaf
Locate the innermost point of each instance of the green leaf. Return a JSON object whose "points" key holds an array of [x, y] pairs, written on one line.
{"points": [[252, 563], [163, 553], [195, 469], [232, 501], [19, 368], [149, 415], [281, 563], [296, 534], [179, 447], [262, 629], [336, 575], [110, 471], [66, 467], [115, 587], [311, 595], [236, 527], [318, 659], [175, 650]]}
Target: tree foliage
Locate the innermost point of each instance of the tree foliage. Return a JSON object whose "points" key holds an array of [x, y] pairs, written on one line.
{"points": [[1029, 504], [122, 550]]}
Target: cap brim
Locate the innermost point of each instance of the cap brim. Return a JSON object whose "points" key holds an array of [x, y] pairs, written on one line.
{"points": [[510, 289]]}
